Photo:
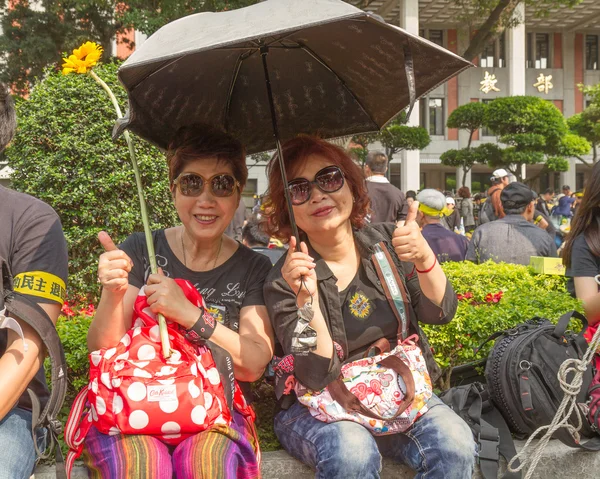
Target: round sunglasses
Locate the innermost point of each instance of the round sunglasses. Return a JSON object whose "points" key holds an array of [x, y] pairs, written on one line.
{"points": [[329, 180], [192, 184]]}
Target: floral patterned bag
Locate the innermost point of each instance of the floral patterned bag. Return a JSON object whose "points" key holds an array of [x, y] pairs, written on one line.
{"points": [[387, 390]]}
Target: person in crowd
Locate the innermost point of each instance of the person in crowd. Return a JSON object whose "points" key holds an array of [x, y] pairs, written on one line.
{"points": [[410, 197], [514, 238], [447, 245], [578, 195], [581, 253], [493, 209], [544, 200], [333, 266], [234, 230], [207, 172], [563, 210], [478, 201], [465, 208], [388, 203], [255, 238], [452, 220], [33, 244]]}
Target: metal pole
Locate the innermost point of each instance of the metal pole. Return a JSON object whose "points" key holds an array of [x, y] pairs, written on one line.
{"points": [[264, 51]]}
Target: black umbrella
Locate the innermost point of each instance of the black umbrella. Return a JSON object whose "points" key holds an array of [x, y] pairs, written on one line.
{"points": [[273, 70]]}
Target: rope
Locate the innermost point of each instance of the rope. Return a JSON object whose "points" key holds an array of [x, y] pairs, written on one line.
{"points": [[567, 408]]}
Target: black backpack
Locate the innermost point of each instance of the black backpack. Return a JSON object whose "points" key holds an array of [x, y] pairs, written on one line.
{"points": [[521, 375], [472, 403], [29, 312]]}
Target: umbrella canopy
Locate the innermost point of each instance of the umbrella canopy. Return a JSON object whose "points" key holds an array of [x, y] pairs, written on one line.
{"points": [[334, 70]]}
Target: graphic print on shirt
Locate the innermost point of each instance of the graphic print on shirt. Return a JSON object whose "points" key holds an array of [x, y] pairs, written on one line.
{"points": [[360, 305], [222, 303]]}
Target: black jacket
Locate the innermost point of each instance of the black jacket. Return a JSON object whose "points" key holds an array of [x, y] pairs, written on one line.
{"points": [[316, 372]]}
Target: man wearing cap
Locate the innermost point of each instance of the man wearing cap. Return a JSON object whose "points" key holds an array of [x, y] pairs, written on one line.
{"points": [[514, 238], [446, 245], [499, 181], [388, 203]]}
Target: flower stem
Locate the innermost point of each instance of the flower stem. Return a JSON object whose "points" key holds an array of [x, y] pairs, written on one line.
{"points": [[162, 324]]}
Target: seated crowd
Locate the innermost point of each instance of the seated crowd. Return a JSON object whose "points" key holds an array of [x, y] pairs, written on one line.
{"points": [[320, 303]]}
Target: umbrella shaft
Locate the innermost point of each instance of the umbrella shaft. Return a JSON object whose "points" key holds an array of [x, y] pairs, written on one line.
{"points": [[264, 51]]}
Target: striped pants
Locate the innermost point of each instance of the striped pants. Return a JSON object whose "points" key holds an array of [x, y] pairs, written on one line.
{"points": [[219, 453]]}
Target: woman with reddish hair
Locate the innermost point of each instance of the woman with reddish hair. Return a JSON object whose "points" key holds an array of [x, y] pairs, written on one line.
{"points": [[334, 270]]}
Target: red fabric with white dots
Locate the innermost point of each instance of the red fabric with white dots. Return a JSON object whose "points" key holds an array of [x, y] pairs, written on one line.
{"points": [[133, 389]]}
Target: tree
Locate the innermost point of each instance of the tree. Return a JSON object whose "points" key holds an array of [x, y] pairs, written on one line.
{"points": [[63, 154], [534, 131], [36, 36], [487, 18], [587, 123], [147, 16], [398, 137], [469, 117]]}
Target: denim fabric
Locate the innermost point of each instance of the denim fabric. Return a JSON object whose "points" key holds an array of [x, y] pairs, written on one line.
{"points": [[17, 453], [439, 445]]}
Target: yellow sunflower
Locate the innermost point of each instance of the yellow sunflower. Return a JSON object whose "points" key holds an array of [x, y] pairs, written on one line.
{"points": [[83, 58]]}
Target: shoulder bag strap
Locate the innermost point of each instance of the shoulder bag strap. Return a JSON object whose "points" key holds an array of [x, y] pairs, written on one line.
{"points": [[37, 318], [393, 286]]}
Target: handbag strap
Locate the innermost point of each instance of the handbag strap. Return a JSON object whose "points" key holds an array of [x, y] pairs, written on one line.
{"points": [[393, 286], [340, 393]]}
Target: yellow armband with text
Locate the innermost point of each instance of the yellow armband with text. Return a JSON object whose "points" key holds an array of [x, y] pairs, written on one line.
{"points": [[41, 284]]}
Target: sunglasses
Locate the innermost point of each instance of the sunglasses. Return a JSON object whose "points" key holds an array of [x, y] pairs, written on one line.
{"points": [[329, 180], [192, 184]]}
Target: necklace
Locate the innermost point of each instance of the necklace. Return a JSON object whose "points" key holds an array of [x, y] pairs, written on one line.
{"points": [[216, 259]]}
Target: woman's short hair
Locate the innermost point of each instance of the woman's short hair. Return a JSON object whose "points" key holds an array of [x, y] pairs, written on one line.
{"points": [[295, 154], [200, 141], [464, 192]]}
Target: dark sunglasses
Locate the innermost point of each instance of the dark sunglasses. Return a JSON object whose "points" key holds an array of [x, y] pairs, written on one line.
{"points": [[192, 184], [329, 180]]}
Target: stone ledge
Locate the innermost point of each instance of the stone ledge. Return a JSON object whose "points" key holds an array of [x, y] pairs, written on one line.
{"points": [[558, 462]]}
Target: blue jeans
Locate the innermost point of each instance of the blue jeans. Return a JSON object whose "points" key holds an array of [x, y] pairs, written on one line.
{"points": [[439, 445], [17, 453]]}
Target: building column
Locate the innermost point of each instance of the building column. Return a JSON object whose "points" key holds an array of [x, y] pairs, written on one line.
{"points": [[570, 92], [410, 167], [516, 43]]}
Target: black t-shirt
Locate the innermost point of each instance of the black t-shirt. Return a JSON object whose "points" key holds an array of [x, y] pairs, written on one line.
{"points": [[367, 315], [226, 289], [584, 263], [33, 244]]}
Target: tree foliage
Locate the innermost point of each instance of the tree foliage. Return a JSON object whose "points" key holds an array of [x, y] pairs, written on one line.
{"points": [[587, 123], [534, 131], [399, 137], [147, 16], [63, 154], [35, 36]]}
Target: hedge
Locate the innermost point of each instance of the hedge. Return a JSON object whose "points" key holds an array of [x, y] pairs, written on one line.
{"points": [[63, 154], [493, 296]]}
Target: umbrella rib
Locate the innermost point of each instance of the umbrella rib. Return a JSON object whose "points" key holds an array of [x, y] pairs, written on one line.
{"points": [[343, 83], [238, 66]]}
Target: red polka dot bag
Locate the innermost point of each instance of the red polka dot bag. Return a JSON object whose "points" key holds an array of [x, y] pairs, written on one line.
{"points": [[133, 389]]}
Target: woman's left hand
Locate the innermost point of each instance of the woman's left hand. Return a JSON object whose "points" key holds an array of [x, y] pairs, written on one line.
{"points": [[165, 297], [409, 243]]}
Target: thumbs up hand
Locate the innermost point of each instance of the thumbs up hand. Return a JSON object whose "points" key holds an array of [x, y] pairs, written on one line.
{"points": [[409, 243], [113, 266]]}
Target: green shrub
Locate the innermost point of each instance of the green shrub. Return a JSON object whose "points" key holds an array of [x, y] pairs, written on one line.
{"points": [[524, 295], [63, 154]]}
